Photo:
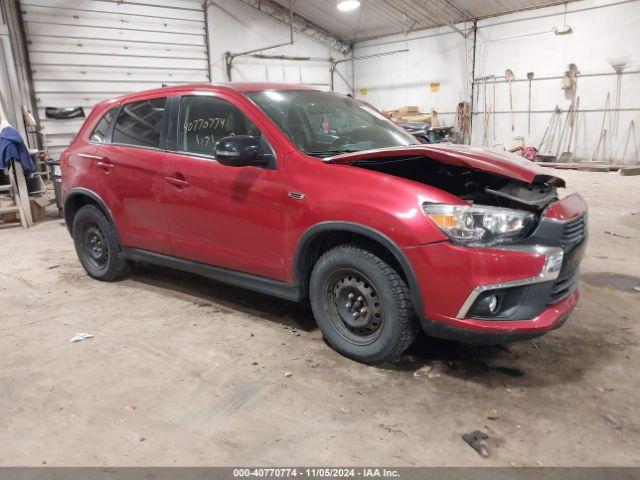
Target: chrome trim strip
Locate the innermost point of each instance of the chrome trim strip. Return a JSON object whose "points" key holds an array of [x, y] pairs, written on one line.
{"points": [[550, 271], [87, 155], [228, 153], [563, 220]]}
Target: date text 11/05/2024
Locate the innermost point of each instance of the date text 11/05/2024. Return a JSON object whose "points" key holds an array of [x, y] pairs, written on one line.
{"points": [[316, 472]]}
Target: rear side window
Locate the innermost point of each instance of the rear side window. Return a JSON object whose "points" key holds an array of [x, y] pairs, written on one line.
{"points": [[99, 134], [139, 123]]}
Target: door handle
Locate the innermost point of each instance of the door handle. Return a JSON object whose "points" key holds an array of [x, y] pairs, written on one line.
{"points": [[105, 164], [177, 182]]}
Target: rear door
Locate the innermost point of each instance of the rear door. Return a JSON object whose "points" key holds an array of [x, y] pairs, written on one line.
{"points": [[131, 166], [233, 217]]}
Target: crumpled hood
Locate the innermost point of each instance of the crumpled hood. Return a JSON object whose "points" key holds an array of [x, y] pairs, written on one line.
{"points": [[501, 163]]}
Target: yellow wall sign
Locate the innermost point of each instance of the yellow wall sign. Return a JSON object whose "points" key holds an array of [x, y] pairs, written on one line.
{"points": [[434, 87], [363, 92]]}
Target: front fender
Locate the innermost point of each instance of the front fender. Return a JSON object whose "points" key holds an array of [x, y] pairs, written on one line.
{"points": [[301, 268]]}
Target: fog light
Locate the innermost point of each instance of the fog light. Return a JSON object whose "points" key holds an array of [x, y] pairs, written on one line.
{"points": [[493, 303], [487, 304]]}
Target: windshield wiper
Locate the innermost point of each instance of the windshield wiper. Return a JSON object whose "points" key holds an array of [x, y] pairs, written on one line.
{"points": [[328, 153]]}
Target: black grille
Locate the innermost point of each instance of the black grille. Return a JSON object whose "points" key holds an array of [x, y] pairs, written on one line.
{"points": [[563, 287], [574, 231]]}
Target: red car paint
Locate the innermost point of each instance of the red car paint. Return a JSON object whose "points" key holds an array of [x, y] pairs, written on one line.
{"points": [[461, 155], [244, 219]]}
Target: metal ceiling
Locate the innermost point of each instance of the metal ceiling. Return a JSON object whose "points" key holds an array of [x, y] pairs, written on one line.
{"points": [[376, 18]]}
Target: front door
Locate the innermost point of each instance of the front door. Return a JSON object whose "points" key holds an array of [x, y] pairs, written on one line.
{"points": [[232, 217], [132, 171]]}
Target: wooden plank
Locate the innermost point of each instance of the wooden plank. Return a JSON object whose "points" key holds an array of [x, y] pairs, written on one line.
{"points": [[22, 193], [10, 217], [629, 171], [7, 205], [38, 212], [591, 167], [6, 210], [16, 189]]}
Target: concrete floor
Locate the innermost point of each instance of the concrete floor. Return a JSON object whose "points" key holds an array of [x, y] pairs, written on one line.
{"points": [[183, 371]]}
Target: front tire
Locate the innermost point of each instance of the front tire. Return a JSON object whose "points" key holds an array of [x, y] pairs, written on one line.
{"points": [[362, 305], [97, 245]]}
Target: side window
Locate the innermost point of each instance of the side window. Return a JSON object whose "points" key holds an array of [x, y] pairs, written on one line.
{"points": [[99, 134], [139, 123], [204, 120]]}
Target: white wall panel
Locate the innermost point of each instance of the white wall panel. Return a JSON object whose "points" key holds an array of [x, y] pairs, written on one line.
{"points": [[603, 30], [85, 51], [433, 56], [235, 27]]}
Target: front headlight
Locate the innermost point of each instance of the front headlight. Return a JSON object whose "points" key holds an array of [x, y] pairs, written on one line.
{"points": [[478, 225]]}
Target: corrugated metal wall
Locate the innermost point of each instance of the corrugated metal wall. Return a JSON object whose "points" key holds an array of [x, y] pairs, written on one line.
{"points": [[86, 51]]}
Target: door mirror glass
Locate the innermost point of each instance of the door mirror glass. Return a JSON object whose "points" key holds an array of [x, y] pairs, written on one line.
{"points": [[240, 151]]}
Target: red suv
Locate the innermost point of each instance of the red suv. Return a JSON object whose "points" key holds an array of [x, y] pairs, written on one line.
{"points": [[300, 193]]}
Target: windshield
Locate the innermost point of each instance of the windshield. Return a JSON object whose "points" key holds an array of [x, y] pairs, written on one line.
{"points": [[324, 123]]}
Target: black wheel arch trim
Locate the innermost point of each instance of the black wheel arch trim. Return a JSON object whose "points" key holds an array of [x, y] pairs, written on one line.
{"points": [[84, 192], [301, 270]]}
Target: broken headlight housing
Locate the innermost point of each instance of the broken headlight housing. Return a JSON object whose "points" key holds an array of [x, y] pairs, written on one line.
{"points": [[478, 225]]}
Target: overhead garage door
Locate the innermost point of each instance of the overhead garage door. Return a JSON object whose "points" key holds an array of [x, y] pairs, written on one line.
{"points": [[86, 51]]}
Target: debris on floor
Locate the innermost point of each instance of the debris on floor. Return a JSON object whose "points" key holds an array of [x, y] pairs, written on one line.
{"points": [[476, 441], [614, 234], [131, 407], [78, 337], [612, 421], [493, 414], [426, 371], [422, 371], [513, 372]]}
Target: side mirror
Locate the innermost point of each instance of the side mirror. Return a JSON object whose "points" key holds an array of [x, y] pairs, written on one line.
{"points": [[240, 151]]}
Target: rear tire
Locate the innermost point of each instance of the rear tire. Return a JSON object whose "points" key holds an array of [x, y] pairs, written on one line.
{"points": [[97, 245], [362, 305]]}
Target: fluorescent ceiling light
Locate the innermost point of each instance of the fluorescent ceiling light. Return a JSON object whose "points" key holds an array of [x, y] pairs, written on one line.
{"points": [[348, 5]]}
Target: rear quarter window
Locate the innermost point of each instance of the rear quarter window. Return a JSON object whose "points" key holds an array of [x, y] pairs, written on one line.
{"points": [[99, 134]]}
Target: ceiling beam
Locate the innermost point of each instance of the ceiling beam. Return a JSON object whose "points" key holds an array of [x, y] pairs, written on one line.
{"points": [[306, 27], [440, 10]]}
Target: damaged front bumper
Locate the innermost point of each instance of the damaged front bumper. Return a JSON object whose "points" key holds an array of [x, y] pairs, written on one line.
{"points": [[531, 287]]}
